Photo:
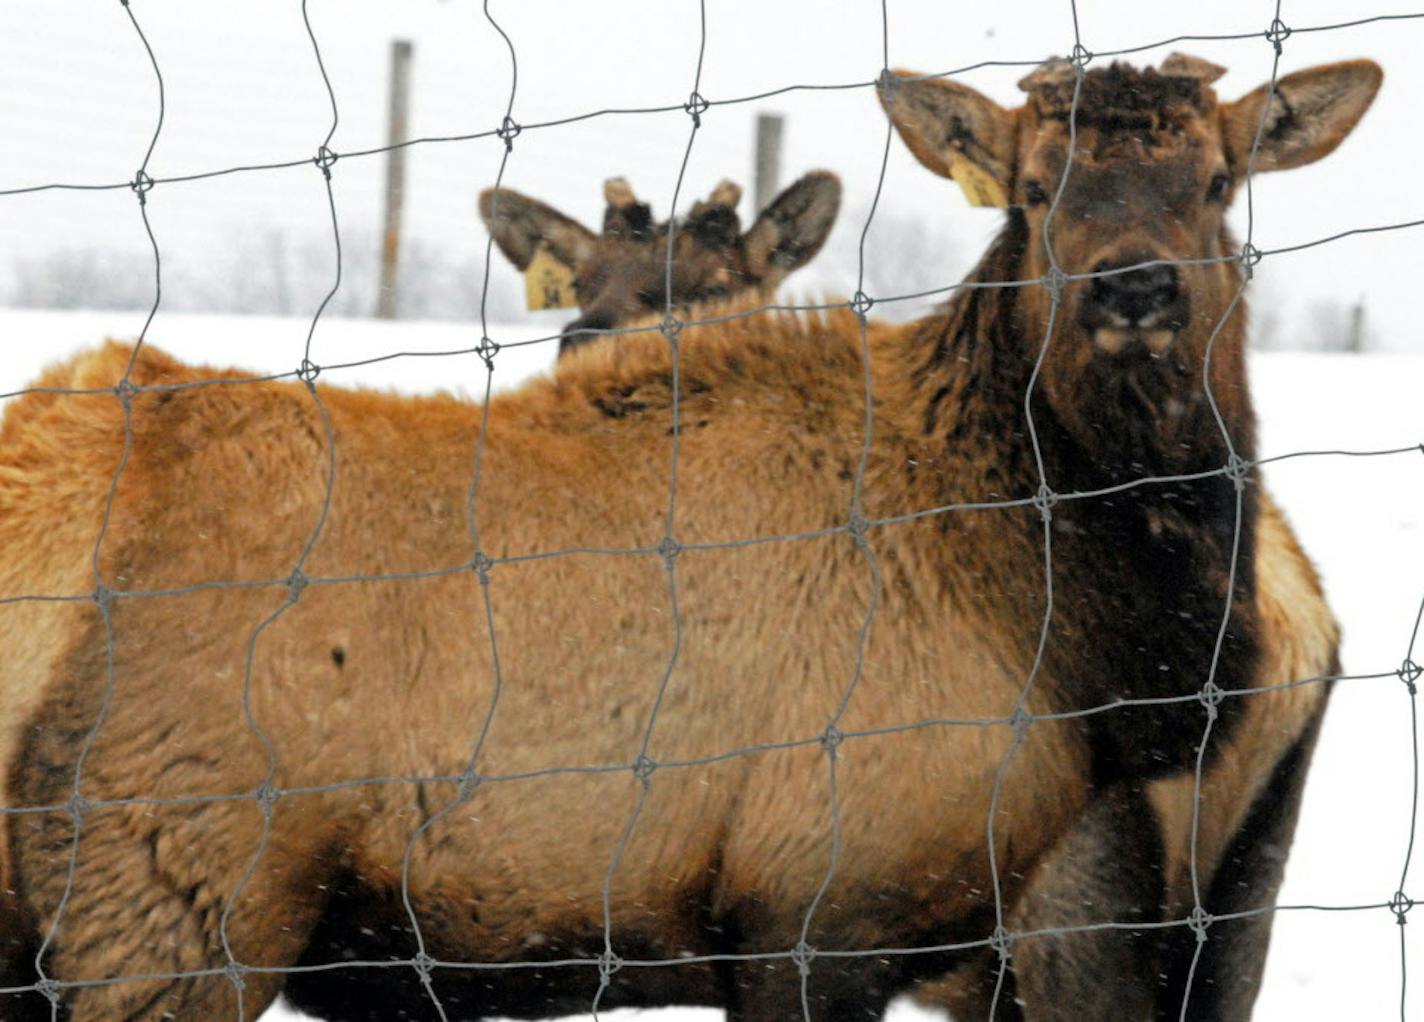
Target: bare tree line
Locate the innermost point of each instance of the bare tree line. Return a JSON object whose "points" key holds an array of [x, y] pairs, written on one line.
{"points": [[271, 272]]}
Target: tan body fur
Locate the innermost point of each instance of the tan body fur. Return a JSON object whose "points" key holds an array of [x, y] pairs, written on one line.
{"points": [[225, 483]]}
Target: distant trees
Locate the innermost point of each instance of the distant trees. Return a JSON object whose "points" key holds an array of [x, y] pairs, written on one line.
{"points": [[265, 272], [269, 272]]}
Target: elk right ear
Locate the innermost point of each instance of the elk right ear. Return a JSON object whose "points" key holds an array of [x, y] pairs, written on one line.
{"points": [[945, 123], [1310, 113], [791, 230], [520, 223]]}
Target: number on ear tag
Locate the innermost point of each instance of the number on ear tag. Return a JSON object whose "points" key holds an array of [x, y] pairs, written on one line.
{"points": [[548, 282], [980, 187]]}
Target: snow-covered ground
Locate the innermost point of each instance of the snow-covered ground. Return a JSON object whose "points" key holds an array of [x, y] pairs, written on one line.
{"points": [[1361, 518]]}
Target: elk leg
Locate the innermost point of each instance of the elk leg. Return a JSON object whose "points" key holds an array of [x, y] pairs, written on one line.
{"points": [[1228, 970], [1107, 869], [837, 990], [146, 899]]}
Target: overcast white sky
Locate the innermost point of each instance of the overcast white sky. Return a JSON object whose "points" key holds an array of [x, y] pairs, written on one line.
{"points": [[79, 102]]}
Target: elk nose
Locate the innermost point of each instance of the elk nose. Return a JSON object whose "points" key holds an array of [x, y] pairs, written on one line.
{"points": [[1136, 297]]}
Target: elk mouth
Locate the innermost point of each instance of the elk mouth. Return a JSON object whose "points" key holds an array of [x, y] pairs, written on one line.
{"points": [[1150, 335], [1119, 340]]}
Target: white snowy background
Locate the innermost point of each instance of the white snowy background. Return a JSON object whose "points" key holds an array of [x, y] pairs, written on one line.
{"points": [[78, 102]]}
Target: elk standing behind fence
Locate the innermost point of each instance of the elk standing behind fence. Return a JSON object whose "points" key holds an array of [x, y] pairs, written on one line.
{"points": [[622, 273], [394, 676], [1128, 859], [1111, 867]]}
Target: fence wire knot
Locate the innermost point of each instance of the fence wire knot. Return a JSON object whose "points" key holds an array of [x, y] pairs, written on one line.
{"points": [[325, 159], [423, 965], [469, 781], [1211, 696], [1055, 280], [696, 106], [1045, 500], [296, 583], [266, 796], [509, 130], [1278, 33], [49, 988], [1020, 721], [1237, 470], [668, 550], [831, 739], [124, 390], [1080, 57], [77, 806], [643, 768], [803, 954], [861, 304], [1250, 256], [671, 326], [1400, 904], [608, 964], [481, 566], [142, 184], [1199, 922], [487, 350], [888, 83], [857, 526], [308, 371], [1001, 941], [1409, 673], [103, 596], [236, 973]]}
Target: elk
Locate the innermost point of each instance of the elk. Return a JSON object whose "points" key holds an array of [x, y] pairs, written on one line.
{"points": [[1102, 870], [1109, 867], [531, 804], [621, 274]]}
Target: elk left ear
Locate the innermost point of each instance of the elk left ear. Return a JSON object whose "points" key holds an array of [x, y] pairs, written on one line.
{"points": [[791, 230], [1310, 114]]}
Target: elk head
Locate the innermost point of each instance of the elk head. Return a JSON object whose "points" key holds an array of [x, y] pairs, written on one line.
{"points": [[621, 274], [1141, 206]]}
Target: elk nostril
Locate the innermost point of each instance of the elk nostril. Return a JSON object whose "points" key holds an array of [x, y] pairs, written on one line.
{"points": [[1135, 294]]}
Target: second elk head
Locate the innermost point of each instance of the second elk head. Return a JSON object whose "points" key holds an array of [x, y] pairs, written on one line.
{"points": [[622, 273]]}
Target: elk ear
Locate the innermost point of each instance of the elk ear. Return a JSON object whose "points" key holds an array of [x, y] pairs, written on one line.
{"points": [[791, 230], [945, 123], [1310, 114], [520, 223]]}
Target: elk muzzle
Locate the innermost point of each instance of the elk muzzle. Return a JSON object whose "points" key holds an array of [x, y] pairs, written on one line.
{"points": [[1134, 307]]}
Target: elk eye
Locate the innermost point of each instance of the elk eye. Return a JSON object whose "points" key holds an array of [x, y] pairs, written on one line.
{"points": [[1034, 193], [1216, 191]]}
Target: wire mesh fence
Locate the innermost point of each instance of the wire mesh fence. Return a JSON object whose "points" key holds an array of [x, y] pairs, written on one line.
{"points": [[858, 527]]}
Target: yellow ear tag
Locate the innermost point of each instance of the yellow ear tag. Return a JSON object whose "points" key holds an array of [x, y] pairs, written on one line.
{"points": [[980, 187], [548, 282]]}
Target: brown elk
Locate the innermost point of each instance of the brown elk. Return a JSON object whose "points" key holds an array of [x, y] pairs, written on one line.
{"points": [[1104, 870], [344, 683], [621, 274], [1110, 867]]}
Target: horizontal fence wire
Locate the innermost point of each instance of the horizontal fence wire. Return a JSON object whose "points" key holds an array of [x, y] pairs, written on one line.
{"points": [[270, 796]]}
